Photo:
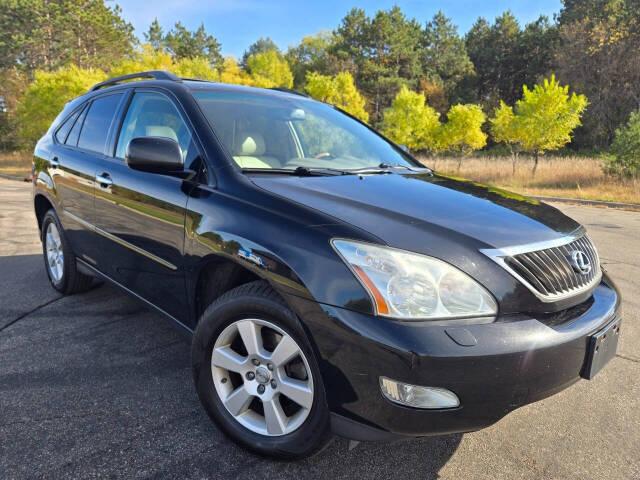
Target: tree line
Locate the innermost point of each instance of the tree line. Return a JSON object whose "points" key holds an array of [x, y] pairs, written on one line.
{"points": [[375, 67]]}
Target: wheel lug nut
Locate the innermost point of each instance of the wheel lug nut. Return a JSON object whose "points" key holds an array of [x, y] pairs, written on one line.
{"points": [[224, 380], [273, 384], [256, 362], [251, 375], [260, 389], [270, 366]]}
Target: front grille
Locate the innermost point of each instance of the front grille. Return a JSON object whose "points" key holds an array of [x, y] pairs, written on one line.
{"points": [[549, 272]]}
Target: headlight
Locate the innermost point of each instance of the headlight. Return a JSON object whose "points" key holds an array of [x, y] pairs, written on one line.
{"points": [[407, 285]]}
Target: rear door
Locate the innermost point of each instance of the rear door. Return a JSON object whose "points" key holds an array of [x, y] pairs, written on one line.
{"points": [[81, 141], [141, 215]]}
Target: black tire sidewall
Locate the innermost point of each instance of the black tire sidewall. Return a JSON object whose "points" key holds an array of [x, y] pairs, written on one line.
{"points": [[313, 433]]}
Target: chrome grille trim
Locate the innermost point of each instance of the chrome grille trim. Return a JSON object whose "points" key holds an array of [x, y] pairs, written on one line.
{"points": [[545, 268]]}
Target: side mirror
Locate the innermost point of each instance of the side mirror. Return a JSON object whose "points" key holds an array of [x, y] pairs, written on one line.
{"points": [[404, 148], [154, 154]]}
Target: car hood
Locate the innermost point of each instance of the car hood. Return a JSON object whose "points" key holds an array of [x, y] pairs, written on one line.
{"points": [[410, 210]]}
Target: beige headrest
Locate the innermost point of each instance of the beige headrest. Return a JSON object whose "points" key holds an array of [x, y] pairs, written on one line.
{"points": [[161, 131], [251, 144]]}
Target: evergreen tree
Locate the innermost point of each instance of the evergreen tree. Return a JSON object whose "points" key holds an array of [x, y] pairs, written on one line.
{"points": [[183, 43], [444, 56], [47, 34], [262, 45], [382, 54], [155, 36]]}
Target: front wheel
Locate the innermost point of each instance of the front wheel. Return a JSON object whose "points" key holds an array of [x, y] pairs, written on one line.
{"points": [[257, 376]]}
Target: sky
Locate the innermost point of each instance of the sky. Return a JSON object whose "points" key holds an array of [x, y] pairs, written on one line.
{"points": [[238, 23]]}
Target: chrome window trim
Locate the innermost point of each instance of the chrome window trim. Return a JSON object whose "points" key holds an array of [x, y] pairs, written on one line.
{"points": [[119, 240], [498, 255]]}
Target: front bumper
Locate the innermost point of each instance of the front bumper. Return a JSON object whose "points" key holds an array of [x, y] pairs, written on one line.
{"points": [[515, 361]]}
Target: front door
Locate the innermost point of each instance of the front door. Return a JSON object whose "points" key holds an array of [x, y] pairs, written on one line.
{"points": [[140, 216]]}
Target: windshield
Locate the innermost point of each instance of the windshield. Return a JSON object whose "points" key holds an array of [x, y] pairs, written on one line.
{"points": [[274, 132]]}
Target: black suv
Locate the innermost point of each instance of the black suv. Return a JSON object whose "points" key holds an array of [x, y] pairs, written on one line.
{"points": [[329, 282]]}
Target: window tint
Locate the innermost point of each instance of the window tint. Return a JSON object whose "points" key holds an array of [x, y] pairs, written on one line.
{"points": [[97, 122], [153, 115], [72, 139], [63, 131]]}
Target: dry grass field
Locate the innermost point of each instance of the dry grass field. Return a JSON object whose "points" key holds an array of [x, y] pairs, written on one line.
{"points": [[570, 177], [15, 164]]}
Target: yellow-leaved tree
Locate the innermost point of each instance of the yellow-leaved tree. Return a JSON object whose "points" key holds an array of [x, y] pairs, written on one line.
{"points": [[147, 58], [338, 90], [463, 131], [504, 128], [412, 123], [269, 69], [543, 119], [232, 73], [45, 97]]}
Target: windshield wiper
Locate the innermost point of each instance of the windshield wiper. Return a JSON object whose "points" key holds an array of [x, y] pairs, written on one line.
{"points": [[406, 167], [298, 172]]}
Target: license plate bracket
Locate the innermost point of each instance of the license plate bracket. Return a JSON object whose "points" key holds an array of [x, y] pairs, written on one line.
{"points": [[601, 348]]}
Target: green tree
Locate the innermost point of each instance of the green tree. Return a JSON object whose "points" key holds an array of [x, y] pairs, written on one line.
{"points": [[412, 123], [444, 56], [506, 57], [45, 97], [544, 118], [462, 132], [311, 54], [624, 155], [598, 54], [155, 36], [46, 34], [382, 53], [13, 82], [262, 45], [269, 69], [183, 43], [338, 90]]}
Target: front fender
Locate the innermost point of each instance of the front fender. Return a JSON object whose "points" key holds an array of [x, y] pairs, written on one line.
{"points": [[284, 243]]}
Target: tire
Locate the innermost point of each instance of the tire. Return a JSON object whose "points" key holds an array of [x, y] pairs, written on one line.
{"points": [[256, 305], [62, 272]]}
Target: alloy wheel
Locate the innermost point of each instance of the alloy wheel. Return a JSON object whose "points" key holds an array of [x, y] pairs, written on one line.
{"points": [[55, 254], [262, 377]]}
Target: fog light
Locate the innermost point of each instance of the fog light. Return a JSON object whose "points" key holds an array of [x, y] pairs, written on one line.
{"points": [[417, 396]]}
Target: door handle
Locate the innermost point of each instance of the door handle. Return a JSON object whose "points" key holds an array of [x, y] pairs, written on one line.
{"points": [[54, 162], [104, 180]]}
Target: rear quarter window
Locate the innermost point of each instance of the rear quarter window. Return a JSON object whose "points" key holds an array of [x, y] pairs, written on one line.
{"points": [[95, 129], [65, 128], [72, 138]]}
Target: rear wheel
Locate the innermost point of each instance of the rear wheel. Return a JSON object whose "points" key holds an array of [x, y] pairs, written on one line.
{"points": [[60, 262], [256, 374]]}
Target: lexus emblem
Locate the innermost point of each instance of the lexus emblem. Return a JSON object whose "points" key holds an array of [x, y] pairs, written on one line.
{"points": [[580, 262]]}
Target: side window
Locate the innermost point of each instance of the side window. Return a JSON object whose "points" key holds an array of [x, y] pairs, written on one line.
{"points": [[72, 139], [153, 115], [96, 124], [65, 128]]}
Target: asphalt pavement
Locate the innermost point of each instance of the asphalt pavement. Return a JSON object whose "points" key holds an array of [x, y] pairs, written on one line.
{"points": [[96, 385]]}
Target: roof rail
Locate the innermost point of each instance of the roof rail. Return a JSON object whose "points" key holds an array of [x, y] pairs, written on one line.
{"points": [[155, 74], [289, 90]]}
